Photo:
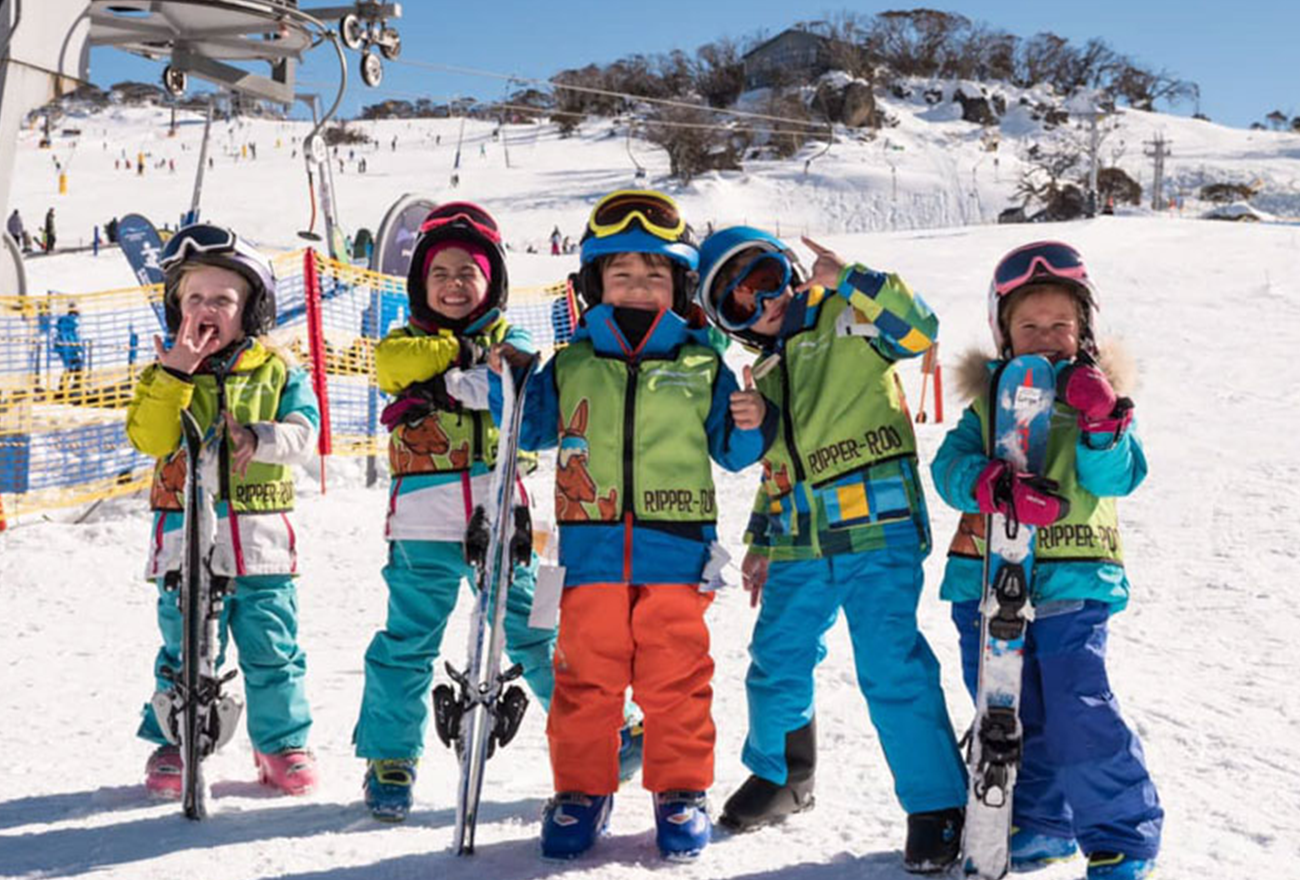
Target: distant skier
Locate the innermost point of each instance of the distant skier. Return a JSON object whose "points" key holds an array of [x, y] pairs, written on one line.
{"points": [[440, 453], [555, 241], [49, 231], [15, 227], [219, 298], [1083, 780], [838, 524]]}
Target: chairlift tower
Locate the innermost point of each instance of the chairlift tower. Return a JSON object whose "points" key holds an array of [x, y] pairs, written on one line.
{"points": [[45, 52]]}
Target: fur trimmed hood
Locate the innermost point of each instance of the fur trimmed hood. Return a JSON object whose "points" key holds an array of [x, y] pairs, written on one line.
{"points": [[971, 372]]}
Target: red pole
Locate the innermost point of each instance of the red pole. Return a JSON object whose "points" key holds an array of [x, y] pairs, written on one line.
{"points": [[938, 390], [316, 348]]}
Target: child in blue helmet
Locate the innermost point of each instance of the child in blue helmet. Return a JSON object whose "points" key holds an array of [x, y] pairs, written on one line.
{"points": [[637, 404], [260, 418], [441, 453], [1083, 780], [839, 522]]}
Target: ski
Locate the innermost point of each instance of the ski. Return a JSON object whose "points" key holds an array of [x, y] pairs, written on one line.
{"points": [[484, 710], [195, 714], [1021, 397]]}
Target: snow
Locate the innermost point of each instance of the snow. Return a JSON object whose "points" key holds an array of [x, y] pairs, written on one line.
{"points": [[1204, 661]]}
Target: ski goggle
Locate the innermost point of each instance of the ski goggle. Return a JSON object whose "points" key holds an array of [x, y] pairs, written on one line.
{"points": [[205, 239], [200, 238], [1044, 259], [656, 212], [463, 212], [764, 278]]}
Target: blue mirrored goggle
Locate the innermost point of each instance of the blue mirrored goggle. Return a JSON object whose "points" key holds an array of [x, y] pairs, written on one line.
{"points": [[766, 277]]}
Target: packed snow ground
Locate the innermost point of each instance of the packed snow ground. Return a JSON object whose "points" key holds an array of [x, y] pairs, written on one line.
{"points": [[1204, 661]]}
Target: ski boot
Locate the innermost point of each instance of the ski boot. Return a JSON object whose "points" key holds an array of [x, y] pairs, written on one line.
{"points": [[388, 785], [631, 739], [292, 771], [683, 827], [1031, 850], [572, 822], [933, 841], [760, 801], [163, 771], [1117, 866]]}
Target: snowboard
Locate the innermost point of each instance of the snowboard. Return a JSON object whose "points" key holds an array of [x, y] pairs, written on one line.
{"points": [[484, 709], [1021, 397]]}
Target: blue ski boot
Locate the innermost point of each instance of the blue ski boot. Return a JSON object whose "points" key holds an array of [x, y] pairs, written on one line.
{"points": [[388, 788], [1117, 866], [572, 822], [631, 738], [1031, 850], [683, 824]]}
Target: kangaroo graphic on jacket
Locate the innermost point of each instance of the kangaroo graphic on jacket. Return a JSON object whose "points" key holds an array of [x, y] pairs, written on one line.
{"points": [[412, 450], [168, 489], [574, 487]]}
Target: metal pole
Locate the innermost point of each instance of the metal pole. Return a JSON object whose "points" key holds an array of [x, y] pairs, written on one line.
{"points": [[203, 163], [1094, 145]]}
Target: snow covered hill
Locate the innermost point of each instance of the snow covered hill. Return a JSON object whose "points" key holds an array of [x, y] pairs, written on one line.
{"points": [[1204, 661]]}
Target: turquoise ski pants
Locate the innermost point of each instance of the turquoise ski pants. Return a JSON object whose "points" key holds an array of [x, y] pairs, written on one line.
{"points": [[424, 579], [262, 617], [897, 672]]}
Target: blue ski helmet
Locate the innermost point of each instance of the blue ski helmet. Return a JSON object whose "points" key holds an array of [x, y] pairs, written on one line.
{"points": [[719, 249]]}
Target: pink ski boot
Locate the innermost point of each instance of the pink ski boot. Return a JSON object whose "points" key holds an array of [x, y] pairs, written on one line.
{"points": [[292, 771], [162, 777]]}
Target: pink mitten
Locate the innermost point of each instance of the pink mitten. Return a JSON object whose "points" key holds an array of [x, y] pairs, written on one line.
{"points": [[1027, 498]]}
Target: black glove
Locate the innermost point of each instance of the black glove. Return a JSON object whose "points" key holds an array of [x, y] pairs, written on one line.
{"points": [[471, 353]]}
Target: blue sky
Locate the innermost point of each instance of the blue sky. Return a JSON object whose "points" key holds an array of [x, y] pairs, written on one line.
{"points": [[1240, 53]]}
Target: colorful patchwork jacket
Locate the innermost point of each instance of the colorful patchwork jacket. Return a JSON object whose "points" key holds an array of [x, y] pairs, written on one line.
{"points": [[842, 476]]}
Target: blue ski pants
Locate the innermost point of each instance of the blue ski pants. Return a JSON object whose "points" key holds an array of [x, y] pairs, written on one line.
{"points": [[897, 672], [424, 580], [262, 617], [1082, 774]]}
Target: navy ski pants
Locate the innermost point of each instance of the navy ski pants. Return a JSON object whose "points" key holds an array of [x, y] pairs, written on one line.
{"points": [[1083, 774]]}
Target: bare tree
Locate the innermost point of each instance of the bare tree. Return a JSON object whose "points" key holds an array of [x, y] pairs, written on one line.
{"points": [[720, 74]]}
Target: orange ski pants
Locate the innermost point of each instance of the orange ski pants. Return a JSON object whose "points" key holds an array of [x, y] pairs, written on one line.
{"points": [[653, 638]]}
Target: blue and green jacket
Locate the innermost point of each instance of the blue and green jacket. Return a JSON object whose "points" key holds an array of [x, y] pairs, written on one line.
{"points": [[1078, 559], [635, 428]]}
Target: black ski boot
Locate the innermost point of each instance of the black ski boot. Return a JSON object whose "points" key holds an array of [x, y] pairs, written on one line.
{"points": [[760, 801], [933, 841]]}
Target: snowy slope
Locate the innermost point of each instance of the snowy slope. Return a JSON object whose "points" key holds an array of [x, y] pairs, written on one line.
{"points": [[1204, 662]]}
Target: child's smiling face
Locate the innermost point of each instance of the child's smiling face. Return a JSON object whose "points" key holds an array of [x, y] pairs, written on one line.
{"points": [[455, 285], [637, 281], [1045, 320]]}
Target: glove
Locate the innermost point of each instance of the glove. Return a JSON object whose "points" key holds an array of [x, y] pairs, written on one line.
{"points": [[471, 353], [1086, 389], [1024, 498], [417, 401]]}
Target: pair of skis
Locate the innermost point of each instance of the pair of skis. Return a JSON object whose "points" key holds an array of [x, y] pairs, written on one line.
{"points": [[1021, 399], [483, 710], [195, 714]]}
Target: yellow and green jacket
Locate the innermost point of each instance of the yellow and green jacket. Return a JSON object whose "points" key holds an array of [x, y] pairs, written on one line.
{"points": [[441, 463], [276, 401]]}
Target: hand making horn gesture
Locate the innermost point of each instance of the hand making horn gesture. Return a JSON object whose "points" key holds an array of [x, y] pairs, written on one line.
{"points": [[826, 268], [190, 348]]}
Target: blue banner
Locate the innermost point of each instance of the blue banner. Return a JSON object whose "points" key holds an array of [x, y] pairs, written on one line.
{"points": [[142, 248]]}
